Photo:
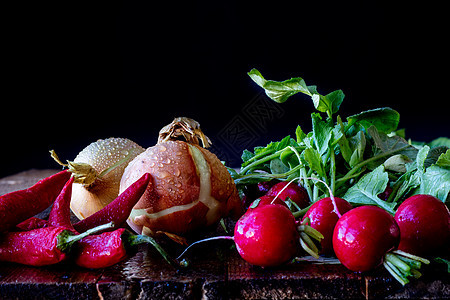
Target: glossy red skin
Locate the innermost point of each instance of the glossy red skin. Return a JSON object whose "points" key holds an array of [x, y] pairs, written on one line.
{"points": [[267, 200], [31, 223], [363, 236], [16, 207], [323, 218], [266, 236], [60, 212], [36, 247], [101, 251], [118, 210], [424, 223], [295, 192]]}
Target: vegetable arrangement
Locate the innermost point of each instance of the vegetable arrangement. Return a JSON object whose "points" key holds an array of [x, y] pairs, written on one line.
{"points": [[98, 169], [44, 242], [363, 159], [173, 187], [352, 188]]}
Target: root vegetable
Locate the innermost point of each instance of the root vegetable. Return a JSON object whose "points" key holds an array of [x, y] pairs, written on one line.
{"points": [[424, 223], [364, 238], [268, 236], [291, 190], [98, 169], [324, 219], [266, 200], [192, 188]]}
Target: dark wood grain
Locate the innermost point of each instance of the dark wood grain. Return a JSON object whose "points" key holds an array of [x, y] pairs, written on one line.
{"points": [[216, 272]]}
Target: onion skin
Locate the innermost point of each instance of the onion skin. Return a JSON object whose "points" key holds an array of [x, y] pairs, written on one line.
{"points": [[88, 198], [182, 173]]}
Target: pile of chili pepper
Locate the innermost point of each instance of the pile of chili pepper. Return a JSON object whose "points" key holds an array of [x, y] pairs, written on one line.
{"points": [[28, 240]]}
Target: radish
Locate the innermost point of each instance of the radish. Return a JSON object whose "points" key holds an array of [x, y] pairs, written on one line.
{"points": [[255, 191], [424, 223], [323, 219], [268, 236], [295, 192], [266, 200], [363, 238]]}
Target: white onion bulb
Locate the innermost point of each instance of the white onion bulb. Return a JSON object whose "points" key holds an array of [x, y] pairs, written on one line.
{"points": [[98, 169]]}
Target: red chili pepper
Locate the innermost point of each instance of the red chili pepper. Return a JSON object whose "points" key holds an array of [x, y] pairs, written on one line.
{"points": [[109, 248], [18, 206], [118, 210], [32, 223], [60, 213], [42, 246]]}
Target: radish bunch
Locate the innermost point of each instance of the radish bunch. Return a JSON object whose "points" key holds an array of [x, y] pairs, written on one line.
{"points": [[368, 236], [267, 234], [362, 238]]}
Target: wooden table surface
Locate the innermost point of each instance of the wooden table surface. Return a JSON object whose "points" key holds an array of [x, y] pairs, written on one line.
{"points": [[216, 272]]}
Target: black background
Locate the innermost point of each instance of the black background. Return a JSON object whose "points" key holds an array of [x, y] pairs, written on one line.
{"points": [[76, 72]]}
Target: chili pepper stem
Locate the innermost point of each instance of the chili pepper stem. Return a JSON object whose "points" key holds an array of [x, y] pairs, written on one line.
{"points": [[67, 238]]}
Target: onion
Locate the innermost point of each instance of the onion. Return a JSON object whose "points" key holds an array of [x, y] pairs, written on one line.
{"points": [[191, 187], [97, 170]]}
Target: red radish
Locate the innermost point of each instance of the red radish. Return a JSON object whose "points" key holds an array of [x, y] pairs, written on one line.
{"points": [[286, 189], [266, 200], [385, 195], [254, 191], [265, 186], [363, 238], [323, 219], [424, 223], [268, 236]]}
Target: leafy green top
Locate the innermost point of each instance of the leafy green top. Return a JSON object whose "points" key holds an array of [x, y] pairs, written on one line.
{"points": [[357, 158]]}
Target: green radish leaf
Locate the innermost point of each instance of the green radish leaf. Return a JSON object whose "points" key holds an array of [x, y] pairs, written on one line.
{"points": [[436, 182], [358, 145], [444, 160], [299, 134], [389, 146], [366, 190], [322, 133], [280, 91], [384, 119], [314, 160], [442, 141], [330, 102], [277, 166]]}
